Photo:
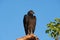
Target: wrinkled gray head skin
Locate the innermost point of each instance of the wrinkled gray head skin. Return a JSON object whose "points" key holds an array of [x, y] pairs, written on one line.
{"points": [[30, 12]]}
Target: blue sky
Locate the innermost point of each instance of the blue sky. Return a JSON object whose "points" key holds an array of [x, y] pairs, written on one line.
{"points": [[12, 12]]}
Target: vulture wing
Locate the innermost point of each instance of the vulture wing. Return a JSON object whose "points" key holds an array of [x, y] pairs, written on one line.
{"points": [[25, 22]]}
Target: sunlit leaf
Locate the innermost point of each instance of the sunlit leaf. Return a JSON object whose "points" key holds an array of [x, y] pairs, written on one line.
{"points": [[54, 28]]}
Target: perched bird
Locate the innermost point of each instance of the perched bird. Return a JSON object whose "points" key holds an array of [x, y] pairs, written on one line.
{"points": [[29, 22]]}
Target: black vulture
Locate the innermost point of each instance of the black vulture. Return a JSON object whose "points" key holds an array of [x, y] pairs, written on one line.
{"points": [[29, 22]]}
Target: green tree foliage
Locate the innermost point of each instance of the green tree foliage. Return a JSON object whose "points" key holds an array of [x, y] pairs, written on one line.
{"points": [[54, 28]]}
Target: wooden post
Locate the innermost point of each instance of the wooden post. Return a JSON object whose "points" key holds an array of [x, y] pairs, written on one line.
{"points": [[28, 37]]}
